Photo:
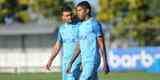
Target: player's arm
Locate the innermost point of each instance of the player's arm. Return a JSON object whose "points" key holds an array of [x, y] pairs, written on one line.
{"points": [[75, 55], [102, 52], [101, 43], [55, 50]]}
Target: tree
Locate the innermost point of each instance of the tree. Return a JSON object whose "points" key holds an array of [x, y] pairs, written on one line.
{"points": [[18, 9], [132, 19]]}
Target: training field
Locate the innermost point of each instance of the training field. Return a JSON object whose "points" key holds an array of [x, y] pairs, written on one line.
{"points": [[56, 76]]}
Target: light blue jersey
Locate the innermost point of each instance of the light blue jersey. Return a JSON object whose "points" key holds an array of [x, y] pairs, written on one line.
{"points": [[89, 31], [68, 37]]}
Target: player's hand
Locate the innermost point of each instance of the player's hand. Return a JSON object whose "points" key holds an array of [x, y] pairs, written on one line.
{"points": [[69, 68], [48, 65], [104, 67]]}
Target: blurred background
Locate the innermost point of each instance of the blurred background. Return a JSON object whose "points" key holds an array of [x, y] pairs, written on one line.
{"points": [[28, 29]]}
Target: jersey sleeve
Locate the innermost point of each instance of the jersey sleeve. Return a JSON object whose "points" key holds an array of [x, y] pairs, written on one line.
{"points": [[59, 37], [97, 28]]}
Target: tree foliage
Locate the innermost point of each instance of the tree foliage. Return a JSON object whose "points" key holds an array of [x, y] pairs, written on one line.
{"points": [[19, 9], [137, 19]]}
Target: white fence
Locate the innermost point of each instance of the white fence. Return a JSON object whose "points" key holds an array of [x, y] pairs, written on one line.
{"points": [[30, 61], [26, 55]]}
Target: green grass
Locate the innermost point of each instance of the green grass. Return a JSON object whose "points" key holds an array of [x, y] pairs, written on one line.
{"points": [[30, 76], [57, 76], [130, 76]]}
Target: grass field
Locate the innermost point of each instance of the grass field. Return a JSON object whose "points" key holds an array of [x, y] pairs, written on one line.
{"points": [[56, 76]]}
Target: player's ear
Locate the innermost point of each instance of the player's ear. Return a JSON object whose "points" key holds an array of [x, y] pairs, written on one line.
{"points": [[87, 10]]}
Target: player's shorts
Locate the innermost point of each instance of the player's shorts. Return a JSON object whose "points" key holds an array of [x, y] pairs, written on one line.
{"points": [[75, 71], [89, 71]]}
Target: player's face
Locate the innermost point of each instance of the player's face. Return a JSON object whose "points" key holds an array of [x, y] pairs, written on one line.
{"points": [[81, 12], [67, 16]]}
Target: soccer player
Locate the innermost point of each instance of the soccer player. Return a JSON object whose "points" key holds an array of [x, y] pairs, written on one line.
{"points": [[91, 45], [67, 39]]}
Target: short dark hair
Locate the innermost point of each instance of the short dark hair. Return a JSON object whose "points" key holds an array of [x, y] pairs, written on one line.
{"points": [[86, 5], [66, 8]]}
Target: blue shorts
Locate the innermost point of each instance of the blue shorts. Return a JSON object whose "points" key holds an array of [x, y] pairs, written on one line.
{"points": [[89, 71], [75, 71]]}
